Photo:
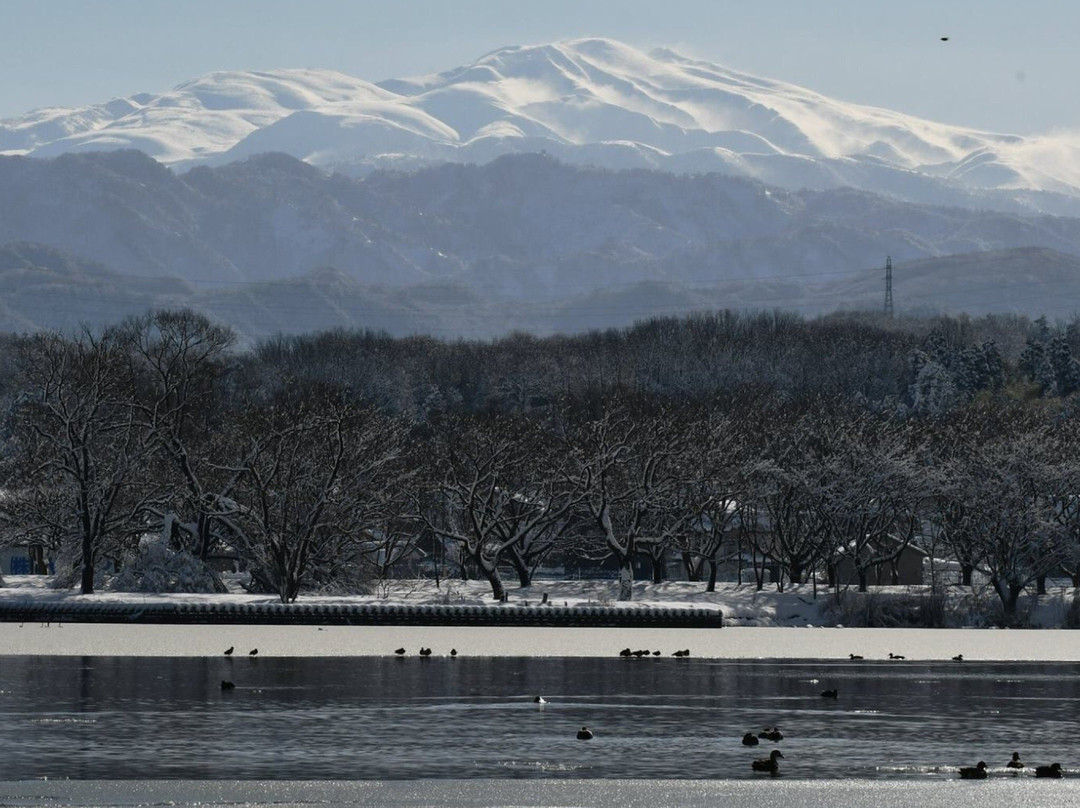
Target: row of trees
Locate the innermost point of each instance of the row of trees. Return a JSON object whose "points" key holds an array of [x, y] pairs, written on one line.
{"points": [[158, 428], [904, 366]]}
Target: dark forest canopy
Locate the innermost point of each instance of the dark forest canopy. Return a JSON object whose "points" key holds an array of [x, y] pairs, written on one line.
{"points": [[327, 460], [902, 365]]}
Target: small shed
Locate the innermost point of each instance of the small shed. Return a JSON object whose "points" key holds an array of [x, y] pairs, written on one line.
{"points": [[25, 559], [906, 569]]}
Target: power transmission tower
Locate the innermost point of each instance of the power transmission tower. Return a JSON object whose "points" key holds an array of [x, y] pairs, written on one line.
{"points": [[888, 286]]}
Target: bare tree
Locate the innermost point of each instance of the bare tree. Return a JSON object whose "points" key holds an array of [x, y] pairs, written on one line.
{"points": [[783, 517], [628, 468], [491, 494], [1063, 493], [176, 361], [1010, 514], [313, 477], [872, 491], [83, 450], [717, 449]]}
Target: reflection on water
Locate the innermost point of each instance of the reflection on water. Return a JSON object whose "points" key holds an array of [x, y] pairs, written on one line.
{"points": [[389, 718]]}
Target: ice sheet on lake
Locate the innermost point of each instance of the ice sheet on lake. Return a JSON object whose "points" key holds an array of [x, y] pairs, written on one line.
{"points": [[541, 793], [107, 639]]}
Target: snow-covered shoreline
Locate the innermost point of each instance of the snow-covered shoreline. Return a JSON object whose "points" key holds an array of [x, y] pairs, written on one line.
{"points": [[768, 625], [833, 646], [742, 604]]}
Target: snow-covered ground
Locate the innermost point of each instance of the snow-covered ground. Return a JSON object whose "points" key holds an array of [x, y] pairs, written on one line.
{"points": [[768, 625], [742, 604]]}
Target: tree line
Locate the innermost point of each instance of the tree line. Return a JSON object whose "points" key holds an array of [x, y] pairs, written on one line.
{"points": [[331, 460]]}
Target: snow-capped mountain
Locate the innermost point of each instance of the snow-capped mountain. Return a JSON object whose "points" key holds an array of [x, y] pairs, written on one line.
{"points": [[592, 101]]}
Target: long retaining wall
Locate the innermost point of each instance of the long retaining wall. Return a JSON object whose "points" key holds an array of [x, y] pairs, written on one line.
{"points": [[78, 611]]}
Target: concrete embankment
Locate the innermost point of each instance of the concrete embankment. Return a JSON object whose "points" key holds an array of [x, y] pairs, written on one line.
{"points": [[72, 611]]}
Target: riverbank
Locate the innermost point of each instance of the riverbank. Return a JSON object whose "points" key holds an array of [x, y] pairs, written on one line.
{"points": [[916, 646], [757, 625], [741, 605]]}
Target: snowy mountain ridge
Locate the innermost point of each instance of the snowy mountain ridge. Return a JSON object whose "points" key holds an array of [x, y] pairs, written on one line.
{"points": [[586, 101]]}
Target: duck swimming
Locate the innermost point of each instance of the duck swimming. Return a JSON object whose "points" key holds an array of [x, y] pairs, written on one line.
{"points": [[774, 734], [768, 764], [1015, 763], [958, 658], [976, 772], [750, 739], [1053, 770], [828, 694], [896, 656], [540, 700], [855, 656], [584, 734]]}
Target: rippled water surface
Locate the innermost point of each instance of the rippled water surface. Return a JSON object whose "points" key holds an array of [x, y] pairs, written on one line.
{"points": [[378, 718]]}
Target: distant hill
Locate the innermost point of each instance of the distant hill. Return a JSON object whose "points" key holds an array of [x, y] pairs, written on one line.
{"points": [[522, 228], [41, 287], [1028, 280]]}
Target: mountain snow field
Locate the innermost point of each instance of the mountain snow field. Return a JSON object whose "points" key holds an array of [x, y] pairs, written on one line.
{"points": [[594, 101]]}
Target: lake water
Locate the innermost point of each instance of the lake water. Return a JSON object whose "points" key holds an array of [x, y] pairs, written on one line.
{"points": [[657, 719]]}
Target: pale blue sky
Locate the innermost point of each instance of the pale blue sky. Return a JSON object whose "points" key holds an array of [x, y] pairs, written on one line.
{"points": [[1009, 66]]}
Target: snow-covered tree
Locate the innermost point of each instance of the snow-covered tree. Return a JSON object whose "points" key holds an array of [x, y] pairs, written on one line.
{"points": [[871, 493], [783, 517], [492, 492], [176, 360], [314, 472], [629, 464], [996, 497], [716, 447], [84, 452]]}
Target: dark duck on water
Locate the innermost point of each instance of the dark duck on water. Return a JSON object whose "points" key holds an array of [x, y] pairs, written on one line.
{"points": [[1053, 770], [976, 772], [768, 764]]}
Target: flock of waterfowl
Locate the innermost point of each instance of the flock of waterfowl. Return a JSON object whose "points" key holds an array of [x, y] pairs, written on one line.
{"points": [[225, 683], [770, 764], [980, 772], [976, 772], [644, 652]]}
